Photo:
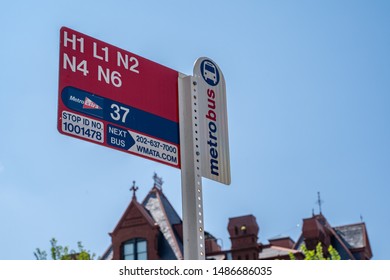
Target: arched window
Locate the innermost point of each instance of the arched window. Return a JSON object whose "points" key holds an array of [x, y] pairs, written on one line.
{"points": [[135, 249]]}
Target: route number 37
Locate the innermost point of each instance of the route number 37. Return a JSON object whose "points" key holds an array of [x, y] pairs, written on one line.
{"points": [[119, 113]]}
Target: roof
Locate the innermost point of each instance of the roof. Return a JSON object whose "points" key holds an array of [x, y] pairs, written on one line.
{"points": [[346, 239], [157, 210], [275, 252], [352, 235], [161, 210], [108, 254], [126, 215]]}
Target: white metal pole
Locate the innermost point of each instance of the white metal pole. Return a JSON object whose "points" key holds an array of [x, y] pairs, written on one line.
{"points": [[191, 178]]}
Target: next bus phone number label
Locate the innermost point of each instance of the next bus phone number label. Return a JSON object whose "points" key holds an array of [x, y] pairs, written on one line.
{"points": [[141, 144]]}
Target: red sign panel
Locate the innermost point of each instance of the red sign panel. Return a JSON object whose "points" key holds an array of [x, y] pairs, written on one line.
{"points": [[115, 98]]}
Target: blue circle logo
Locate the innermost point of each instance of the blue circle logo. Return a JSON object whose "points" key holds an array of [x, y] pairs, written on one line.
{"points": [[209, 72]]}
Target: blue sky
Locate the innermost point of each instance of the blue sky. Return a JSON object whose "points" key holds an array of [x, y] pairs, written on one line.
{"points": [[308, 94]]}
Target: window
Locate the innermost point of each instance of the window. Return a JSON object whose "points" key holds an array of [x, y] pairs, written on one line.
{"points": [[135, 249]]}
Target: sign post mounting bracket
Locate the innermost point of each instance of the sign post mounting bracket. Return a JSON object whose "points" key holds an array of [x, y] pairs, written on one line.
{"points": [[191, 177]]}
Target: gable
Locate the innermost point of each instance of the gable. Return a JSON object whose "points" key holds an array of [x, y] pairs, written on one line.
{"points": [[134, 216]]}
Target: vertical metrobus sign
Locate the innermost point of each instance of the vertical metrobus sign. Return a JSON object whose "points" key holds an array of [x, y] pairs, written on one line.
{"points": [[213, 123], [117, 99]]}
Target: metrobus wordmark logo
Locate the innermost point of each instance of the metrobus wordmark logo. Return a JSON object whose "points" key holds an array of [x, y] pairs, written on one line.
{"points": [[213, 125]]}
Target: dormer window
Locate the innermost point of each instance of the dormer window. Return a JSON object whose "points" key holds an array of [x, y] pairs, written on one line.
{"points": [[135, 249]]}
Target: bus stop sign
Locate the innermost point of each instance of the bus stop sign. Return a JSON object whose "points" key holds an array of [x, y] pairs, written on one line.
{"points": [[117, 99]]}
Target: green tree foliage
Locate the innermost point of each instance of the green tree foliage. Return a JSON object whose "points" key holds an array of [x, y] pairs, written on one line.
{"points": [[318, 253], [58, 252], [334, 255]]}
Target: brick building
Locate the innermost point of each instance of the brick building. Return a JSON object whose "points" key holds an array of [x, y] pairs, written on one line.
{"points": [[152, 229]]}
